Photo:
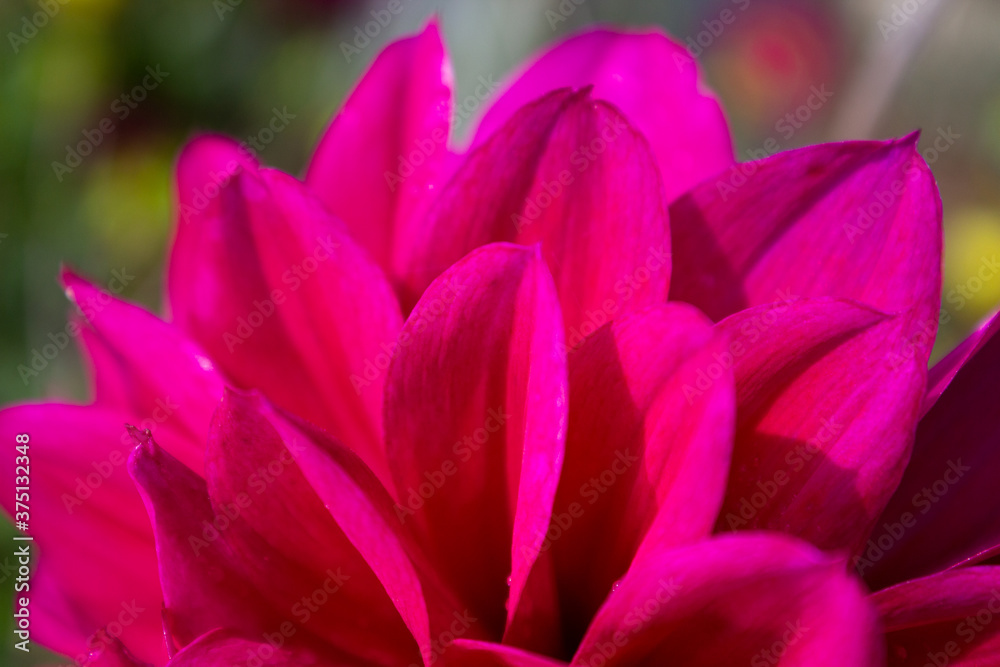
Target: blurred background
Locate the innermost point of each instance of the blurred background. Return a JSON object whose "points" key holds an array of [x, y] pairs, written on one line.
{"points": [[97, 96]]}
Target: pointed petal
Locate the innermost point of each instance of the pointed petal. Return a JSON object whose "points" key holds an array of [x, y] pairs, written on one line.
{"points": [[289, 546], [942, 513], [96, 561], [476, 419], [109, 652], [364, 511], [944, 371], [223, 648], [651, 79], [734, 600], [571, 174], [384, 154], [201, 590], [828, 394], [647, 459], [146, 369], [284, 301], [857, 220], [486, 654], [950, 618]]}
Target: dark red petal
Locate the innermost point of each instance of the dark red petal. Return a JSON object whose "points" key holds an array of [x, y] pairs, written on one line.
{"points": [[828, 394], [950, 618], [465, 652], [753, 599], [944, 511], [223, 648], [384, 154], [572, 174], [288, 545], [476, 422], [647, 456]]}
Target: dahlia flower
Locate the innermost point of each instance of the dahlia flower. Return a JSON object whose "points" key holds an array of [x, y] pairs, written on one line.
{"points": [[584, 392]]}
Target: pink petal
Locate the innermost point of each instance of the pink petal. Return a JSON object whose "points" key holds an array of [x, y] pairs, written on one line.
{"points": [[476, 421], [96, 565], [651, 79], [109, 652], [146, 369], [201, 588], [735, 600], [943, 512], [364, 511], [485, 654], [858, 220], [646, 461], [284, 301], [569, 173], [950, 618], [223, 648], [384, 154], [828, 395], [287, 544]]}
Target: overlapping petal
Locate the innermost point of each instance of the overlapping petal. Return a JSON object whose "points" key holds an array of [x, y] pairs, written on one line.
{"points": [[651, 79], [647, 460], [941, 514], [756, 599], [950, 618], [476, 424], [857, 220], [283, 300], [572, 174], [829, 393], [385, 154]]}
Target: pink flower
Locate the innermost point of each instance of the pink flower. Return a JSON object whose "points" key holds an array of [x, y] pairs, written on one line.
{"points": [[586, 392]]}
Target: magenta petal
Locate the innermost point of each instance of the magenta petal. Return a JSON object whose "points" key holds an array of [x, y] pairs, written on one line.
{"points": [[950, 618], [476, 421], [96, 560], [858, 220], [646, 458], [652, 80], [288, 545], [147, 369], [109, 651], [572, 174], [828, 395], [943, 513], [224, 648], [201, 588], [466, 652], [944, 371], [386, 150], [364, 511], [285, 302], [748, 599]]}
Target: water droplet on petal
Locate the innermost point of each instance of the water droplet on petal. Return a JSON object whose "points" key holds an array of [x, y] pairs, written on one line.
{"points": [[510, 579]]}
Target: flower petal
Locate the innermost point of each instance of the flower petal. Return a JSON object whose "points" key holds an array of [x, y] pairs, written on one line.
{"points": [[146, 369], [284, 301], [950, 618], [109, 652], [736, 600], [944, 371], [646, 460], [201, 588], [828, 395], [651, 79], [476, 422], [384, 154], [486, 654], [289, 546], [857, 220], [364, 511], [223, 648], [96, 560], [942, 513], [572, 174]]}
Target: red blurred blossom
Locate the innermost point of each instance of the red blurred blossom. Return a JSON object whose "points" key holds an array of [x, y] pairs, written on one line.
{"points": [[586, 393]]}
